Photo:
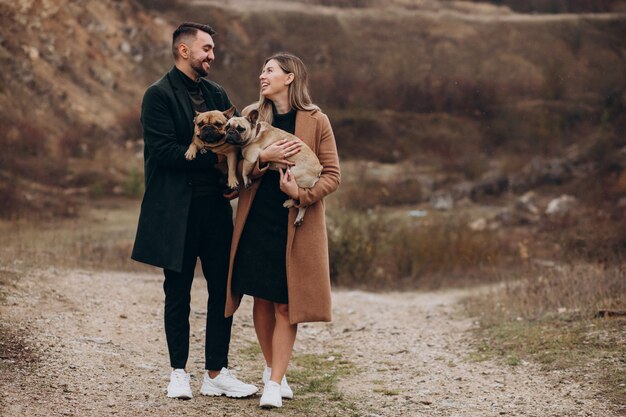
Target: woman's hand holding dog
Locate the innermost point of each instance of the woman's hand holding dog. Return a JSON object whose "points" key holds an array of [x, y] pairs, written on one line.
{"points": [[279, 152], [288, 184]]}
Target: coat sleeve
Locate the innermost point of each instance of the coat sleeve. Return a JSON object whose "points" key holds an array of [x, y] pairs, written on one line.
{"points": [[160, 137], [331, 175], [258, 171]]}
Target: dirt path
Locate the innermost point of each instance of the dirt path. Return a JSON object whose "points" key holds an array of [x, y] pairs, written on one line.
{"points": [[92, 344]]}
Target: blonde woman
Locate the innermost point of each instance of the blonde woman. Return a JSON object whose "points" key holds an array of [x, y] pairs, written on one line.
{"points": [[285, 268]]}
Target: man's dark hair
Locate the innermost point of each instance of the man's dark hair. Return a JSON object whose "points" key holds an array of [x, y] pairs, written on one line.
{"points": [[186, 30]]}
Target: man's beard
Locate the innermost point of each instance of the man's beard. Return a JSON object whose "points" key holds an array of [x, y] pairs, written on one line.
{"points": [[196, 65]]}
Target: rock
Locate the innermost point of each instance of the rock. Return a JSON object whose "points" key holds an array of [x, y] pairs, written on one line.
{"points": [[561, 205], [526, 203], [96, 340], [104, 76], [417, 213], [442, 202], [148, 366], [32, 52], [492, 184], [524, 211], [478, 225], [125, 47], [462, 190], [540, 171]]}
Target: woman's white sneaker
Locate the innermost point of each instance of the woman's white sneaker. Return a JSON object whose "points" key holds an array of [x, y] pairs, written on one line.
{"points": [[179, 385], [285, 389], [271, 397]]}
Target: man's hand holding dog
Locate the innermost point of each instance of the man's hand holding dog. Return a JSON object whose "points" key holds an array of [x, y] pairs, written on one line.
{"points": [[288, 184], [279, 152]]}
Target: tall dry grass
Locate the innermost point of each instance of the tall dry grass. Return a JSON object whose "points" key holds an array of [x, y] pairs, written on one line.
{"points": [[550, 315], [100, 238], [379, 249], [580, 288], [560, 6], [41, 171]]}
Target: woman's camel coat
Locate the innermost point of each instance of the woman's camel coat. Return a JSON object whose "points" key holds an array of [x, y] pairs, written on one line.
{"points": [[308, 277]]}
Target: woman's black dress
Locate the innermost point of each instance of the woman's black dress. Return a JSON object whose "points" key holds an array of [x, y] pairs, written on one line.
{"points": [[260, 263]]}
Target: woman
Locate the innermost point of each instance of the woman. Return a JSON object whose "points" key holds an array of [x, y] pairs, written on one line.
{"points": [[283, 267]]}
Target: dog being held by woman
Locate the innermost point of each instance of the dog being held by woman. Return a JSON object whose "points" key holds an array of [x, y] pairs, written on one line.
{"points": [[253, 136]]}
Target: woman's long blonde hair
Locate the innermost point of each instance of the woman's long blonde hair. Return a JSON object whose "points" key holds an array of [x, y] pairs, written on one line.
{"points": [[299, 97]]}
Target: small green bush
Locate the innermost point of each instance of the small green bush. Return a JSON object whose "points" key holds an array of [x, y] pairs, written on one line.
{"points": [[134, 184]]}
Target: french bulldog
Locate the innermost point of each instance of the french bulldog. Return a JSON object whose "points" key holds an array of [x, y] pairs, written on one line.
{"points": [[210, 133], [253, 136]]}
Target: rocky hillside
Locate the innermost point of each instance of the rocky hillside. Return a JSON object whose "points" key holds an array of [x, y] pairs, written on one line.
{"points": [[467, 91], [72, 79]]}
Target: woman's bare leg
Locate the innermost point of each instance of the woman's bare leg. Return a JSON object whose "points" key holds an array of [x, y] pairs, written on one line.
{"points": [[264, 319], [282, 342]]}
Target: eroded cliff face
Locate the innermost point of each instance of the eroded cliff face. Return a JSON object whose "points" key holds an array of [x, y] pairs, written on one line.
{"points": [[70, 62], [451, 79], [87, 62], [73, 73]]}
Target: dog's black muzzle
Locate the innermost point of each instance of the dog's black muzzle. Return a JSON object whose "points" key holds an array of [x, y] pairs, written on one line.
{"points": [[234, 137], [209, 134]]}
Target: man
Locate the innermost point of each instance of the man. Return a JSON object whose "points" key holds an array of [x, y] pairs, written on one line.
{"points": [[184, 215]]}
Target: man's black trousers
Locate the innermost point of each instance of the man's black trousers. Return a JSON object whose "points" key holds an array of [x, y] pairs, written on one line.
{"points": [[209, 233]]}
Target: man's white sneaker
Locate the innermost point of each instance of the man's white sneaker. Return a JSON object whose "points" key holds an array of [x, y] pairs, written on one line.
{"points": [[226, 384], [179, 385], [271, 396], [285, 389]]}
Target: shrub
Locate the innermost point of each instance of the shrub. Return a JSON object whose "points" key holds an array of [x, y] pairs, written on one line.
{"points": [[49, 171], [72, 143], [583, 288], [379, 250], [591, 239], [160, 5], [134, 184], [371, 193], [21, 137], [9, 200], [353, 245], [130, 124], [458, 95]]}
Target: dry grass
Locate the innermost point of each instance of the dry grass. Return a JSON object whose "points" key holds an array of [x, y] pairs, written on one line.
{"points": [[100, 238], [559, 6], [583, 289], [599, 239], [41, 173], [549, 316], [388, 250]]}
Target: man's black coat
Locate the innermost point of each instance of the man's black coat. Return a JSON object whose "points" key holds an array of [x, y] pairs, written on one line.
{"points": [[167, 119]]}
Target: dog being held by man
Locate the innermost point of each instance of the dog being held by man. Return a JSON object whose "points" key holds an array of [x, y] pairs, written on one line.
{"points": [[210, 133], [253, 136]]}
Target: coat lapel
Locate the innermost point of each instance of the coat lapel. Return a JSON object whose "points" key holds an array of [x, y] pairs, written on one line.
{"points": [[180, 92], [305, 128]]}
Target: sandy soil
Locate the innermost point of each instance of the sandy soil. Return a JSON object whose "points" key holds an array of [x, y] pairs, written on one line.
{"points": [[79, 343]]}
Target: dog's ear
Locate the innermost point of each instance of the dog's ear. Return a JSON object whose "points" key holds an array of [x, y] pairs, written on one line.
{"points": [[230, 112], [253, 116]]}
